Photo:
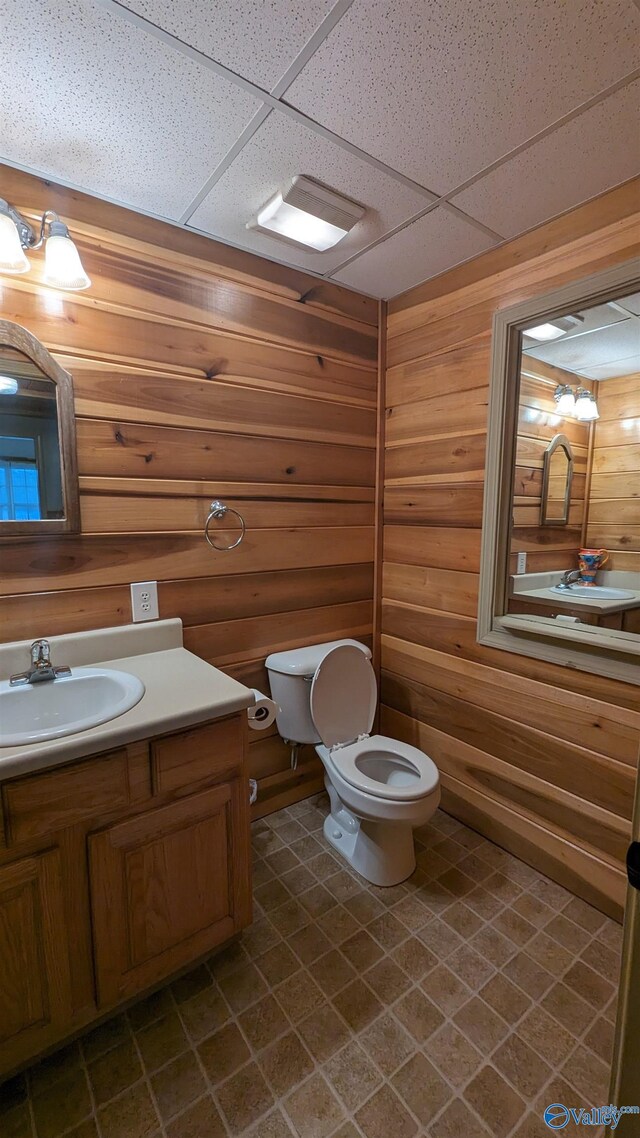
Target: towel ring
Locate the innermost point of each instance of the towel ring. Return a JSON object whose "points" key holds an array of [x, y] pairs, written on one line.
{"points": [[218, 509]]}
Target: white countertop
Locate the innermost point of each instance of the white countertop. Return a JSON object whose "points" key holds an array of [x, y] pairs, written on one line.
{"points": [[536, 587], [181, 690]]}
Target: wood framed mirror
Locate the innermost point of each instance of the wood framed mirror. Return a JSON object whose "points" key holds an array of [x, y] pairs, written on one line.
{"points": [[557, 476], [563, 459], [38, 464]]}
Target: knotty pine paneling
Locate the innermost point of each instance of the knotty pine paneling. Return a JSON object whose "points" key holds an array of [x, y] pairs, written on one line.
{"points": [[199, 372], [614, 500], [540, 759]]}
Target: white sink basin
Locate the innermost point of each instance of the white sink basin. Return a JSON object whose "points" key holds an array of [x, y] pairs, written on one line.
{"points": [[31, 713], [597, 592]]}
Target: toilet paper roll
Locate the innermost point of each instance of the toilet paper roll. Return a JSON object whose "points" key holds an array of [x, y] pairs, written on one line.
{"points": [[263, 712]]}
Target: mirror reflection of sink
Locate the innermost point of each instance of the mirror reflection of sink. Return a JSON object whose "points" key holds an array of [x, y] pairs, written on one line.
{"points": [[31, 713], [597, 592]]}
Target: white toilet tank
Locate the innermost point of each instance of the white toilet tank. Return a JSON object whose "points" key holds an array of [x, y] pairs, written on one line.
{"points": [[290, 676]]}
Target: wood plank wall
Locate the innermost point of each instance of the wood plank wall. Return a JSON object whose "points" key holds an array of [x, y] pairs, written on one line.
{"points": [[614, 499], [547, 547], [200, 372], [540, 759]]}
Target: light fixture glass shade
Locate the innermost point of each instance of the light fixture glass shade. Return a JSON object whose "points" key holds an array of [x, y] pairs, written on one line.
{"points": [[544, 332], [298, 225], [12, 257], [62, 264], [565, 400], [586, 407], [8, 385]]}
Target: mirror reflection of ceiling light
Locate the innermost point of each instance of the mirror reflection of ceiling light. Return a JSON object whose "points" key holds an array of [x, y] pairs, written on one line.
{"points": [[8, 385], [565, 399], [544, 332], [63, 267], [308, 214]]}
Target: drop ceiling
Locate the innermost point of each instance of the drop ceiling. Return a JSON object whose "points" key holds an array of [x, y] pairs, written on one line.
{"points": [[604, 345], [457, 123]]}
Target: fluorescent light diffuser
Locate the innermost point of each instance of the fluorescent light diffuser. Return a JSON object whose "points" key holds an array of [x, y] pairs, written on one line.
{"points": [[308, 214], [545, 332]]}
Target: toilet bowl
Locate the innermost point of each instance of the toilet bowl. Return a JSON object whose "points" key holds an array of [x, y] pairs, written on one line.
{"points": [[379, 788]]}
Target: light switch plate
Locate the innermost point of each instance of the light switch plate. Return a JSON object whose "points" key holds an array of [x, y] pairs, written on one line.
{"points": [[144, 601], [521, 566]]}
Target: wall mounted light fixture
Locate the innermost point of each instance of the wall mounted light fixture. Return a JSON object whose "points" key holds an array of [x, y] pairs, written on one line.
{"points": [[62, 265], [581, 406]]}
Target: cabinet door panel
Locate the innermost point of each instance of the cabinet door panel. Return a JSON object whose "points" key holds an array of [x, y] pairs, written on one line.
{"points": [[163, 890], [35, 1001]]}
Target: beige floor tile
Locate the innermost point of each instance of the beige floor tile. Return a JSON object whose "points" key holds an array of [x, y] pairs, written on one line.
{"points": [[445, 989], [603, 960], [352, 1075], [309, 943], [505, 998], [133, 1115], [357, 1004], [514, 926], [202, 1120], [161, 1041], [589, 1075], [263, 1022], [553, 1042], [533, 910], [338, 924], [286, 1063], [455, 1056], [279, 962], [481, 1025], [384, 1115], [457, 1121], [244, 1097], [332, 972], [418, 1015], [114, 1071], [223, 1053], [498, 1105], [62, 1105], [493, 945], [204, 1013], [522, 1066], [361, 950], [290, 917], [600, 1039], [387, 980], [364, 907], [550, 954], [299, 995], [462, 919], [324, 1032], [568, 934], [388, 930], [568, 1008], [421, 1087], [178, 1085], [387, 1042], [314, 1109], [104, 1037], [414, 957], [590, 985], [528, 975], [242, 987], [470, 966]]}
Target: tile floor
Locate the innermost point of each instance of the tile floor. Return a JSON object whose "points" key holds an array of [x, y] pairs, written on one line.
{"points": [[457, 1005]]}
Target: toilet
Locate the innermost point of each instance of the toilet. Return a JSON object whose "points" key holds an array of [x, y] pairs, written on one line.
{"points": [[380, 789]]}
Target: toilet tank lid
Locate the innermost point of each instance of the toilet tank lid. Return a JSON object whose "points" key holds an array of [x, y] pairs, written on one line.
{"points": [[304, 661]]}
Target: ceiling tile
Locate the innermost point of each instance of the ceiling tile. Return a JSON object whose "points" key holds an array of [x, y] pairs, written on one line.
{"points": [[628, 366], [604, 346], [436, 242], [278, 151], [258, 39], [439, 90], [590, 154], [87, 98]]}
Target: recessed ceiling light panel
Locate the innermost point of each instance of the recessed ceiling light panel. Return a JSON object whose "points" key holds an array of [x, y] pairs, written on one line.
{"points": [[308, 214]]}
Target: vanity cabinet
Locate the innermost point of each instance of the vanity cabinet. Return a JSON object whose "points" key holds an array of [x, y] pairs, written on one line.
{"points": [[35, 984], [118, 871]]}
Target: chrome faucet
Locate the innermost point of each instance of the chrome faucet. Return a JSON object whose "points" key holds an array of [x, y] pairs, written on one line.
{"points": [[41, 667], [569, 578]]}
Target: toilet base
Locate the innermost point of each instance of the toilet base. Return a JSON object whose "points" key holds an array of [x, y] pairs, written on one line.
{"points": [[381, 852]]}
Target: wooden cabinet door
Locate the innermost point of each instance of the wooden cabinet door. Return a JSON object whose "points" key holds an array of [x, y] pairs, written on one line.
{"points": [[166, 887], [35, 994]]}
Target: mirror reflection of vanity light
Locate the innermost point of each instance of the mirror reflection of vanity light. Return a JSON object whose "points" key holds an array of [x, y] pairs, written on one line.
{"points": [[8, 386], [586, 406]]}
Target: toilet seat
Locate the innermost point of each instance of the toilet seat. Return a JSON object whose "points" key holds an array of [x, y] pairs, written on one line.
{"points": [[348, 761], [343, 705]]}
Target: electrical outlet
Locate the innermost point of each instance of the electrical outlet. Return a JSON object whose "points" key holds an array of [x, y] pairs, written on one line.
{"points": [[144, 601], [521, 566]]}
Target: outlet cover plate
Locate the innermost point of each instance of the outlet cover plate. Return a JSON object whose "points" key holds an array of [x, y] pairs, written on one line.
{"points": [[144, 601], [521, 566]]}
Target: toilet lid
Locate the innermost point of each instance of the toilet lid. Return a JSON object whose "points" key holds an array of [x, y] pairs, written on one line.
{"points": [[343, 696]]}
